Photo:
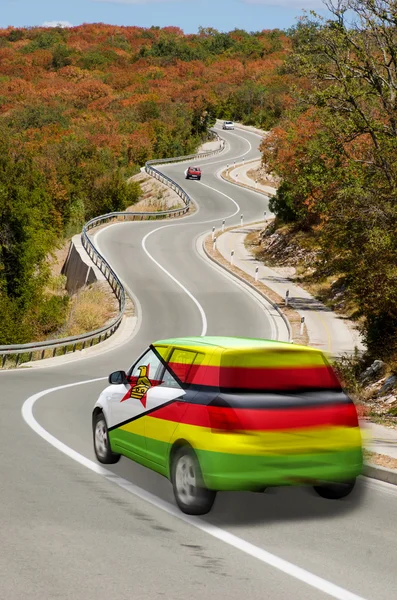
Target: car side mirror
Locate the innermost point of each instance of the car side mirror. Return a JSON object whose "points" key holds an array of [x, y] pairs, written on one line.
{"points": [[118, 377]]}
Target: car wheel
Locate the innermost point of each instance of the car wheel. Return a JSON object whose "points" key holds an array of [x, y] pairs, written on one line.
{"points": [[335, 491], [101, 441], [192, 497]]}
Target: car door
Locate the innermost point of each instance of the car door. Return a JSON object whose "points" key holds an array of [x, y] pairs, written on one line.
{"points": [[166, 403], [128, 403]]}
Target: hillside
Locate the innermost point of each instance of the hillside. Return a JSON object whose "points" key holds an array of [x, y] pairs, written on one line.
{"points": [[81, 109]]}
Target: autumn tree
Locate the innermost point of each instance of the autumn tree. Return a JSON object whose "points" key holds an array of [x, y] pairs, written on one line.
{"points": [[345, 173]]}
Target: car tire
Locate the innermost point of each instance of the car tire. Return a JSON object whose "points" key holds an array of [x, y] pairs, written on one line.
{"points": [[192, 497], [101, 441], [198, 178], [335, 491]]}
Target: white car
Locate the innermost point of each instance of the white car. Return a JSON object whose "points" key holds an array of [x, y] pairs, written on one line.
{"points": [[228, 125]]}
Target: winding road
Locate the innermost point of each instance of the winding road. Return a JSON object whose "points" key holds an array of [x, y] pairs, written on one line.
{"points": [[71, 529]]}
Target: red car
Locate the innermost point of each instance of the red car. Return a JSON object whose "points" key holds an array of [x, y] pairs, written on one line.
{"points": [[193, 173]]}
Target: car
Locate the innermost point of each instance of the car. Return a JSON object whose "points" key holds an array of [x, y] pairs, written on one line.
{"points": [[193, 173], [228, 125], [214, 414]]}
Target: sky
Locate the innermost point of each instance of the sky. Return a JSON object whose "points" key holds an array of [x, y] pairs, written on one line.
{"points": [[224, 15]]}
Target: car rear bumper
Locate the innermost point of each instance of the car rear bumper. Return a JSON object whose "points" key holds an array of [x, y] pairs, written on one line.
{"points": [[244, 472]]}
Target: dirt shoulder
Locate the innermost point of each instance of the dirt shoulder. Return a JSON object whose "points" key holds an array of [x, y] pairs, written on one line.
{"points": [[372, 458]]}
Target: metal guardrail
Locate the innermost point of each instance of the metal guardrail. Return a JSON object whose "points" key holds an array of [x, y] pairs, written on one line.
{"points": [[21, 353]]}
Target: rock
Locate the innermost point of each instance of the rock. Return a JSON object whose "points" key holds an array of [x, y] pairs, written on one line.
{"points": [[389, 400], [375, 369], [388, 385]]}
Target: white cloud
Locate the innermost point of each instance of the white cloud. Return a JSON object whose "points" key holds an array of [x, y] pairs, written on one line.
{"points": [[57, 24], [298, 4]]}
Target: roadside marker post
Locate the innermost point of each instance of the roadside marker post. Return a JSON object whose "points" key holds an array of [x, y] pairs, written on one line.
{"points": [[232, 257], [214, 246], [223, 225], [256, 273], [286, 297], [213, 232], [264, 215], [242, 220], [302, 324]]}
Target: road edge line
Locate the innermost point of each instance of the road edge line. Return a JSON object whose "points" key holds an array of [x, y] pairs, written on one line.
{"points": [[228, 538]]}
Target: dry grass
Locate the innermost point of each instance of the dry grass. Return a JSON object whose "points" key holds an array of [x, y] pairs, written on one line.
{"points": [[156, 196], [90, 308], [291, 315], [263, 178]]}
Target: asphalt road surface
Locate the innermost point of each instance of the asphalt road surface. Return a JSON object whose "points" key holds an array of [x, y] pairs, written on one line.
{"points": [[72, 529]]}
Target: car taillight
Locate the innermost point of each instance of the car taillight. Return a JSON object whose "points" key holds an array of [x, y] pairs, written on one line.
{"points": [[345, 415], [224, 420], [351, 417]]}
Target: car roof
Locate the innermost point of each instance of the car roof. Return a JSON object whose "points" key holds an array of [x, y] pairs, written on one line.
{"points": [[235, 343]]}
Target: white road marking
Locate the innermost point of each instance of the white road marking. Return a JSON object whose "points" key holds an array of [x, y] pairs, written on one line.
{"points": [[226, 196], [196, 302], [270, 311], [232, 540], [193, 298]]}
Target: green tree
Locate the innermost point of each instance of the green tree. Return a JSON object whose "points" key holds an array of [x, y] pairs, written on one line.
{"points": [[346, 174]]}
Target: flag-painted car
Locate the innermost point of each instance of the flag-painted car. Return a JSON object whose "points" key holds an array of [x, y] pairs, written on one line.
{"points": [[224, 413]]}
